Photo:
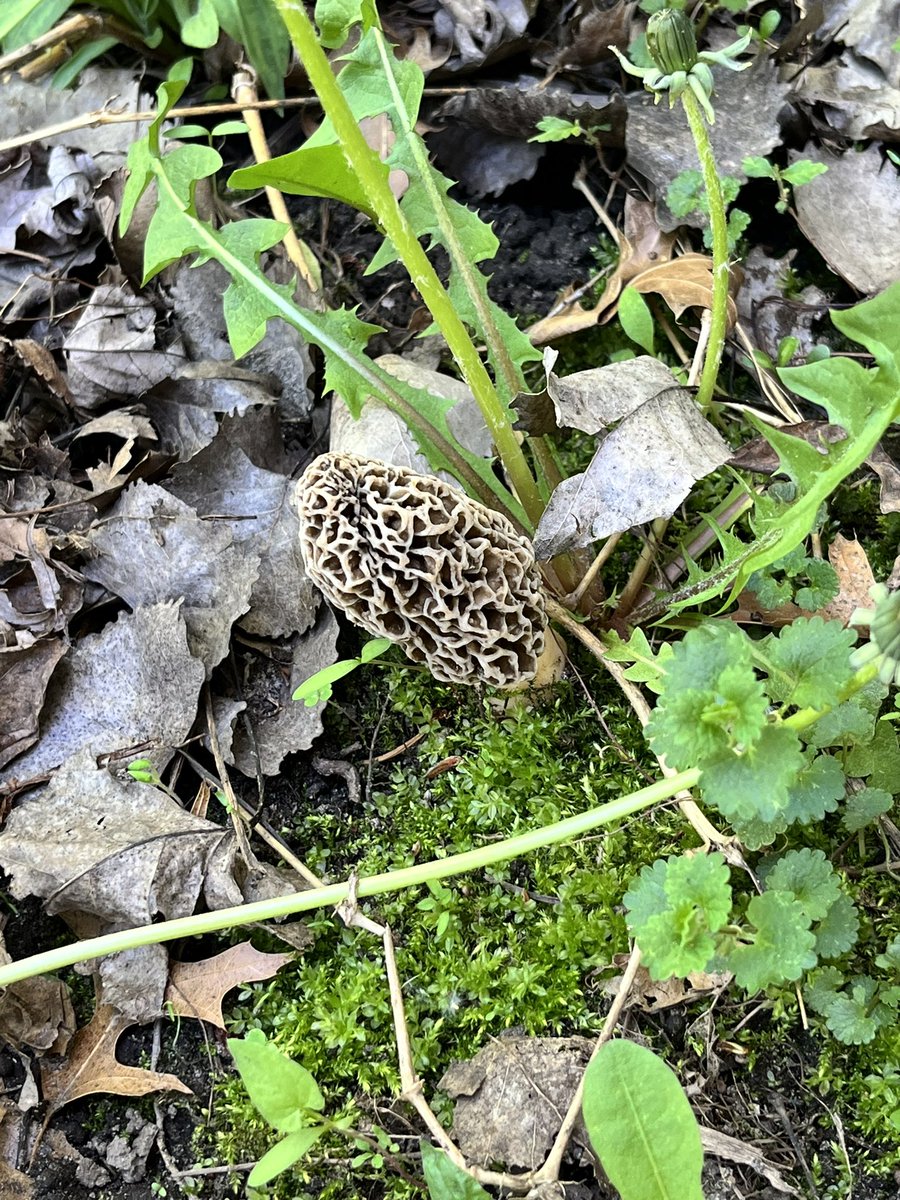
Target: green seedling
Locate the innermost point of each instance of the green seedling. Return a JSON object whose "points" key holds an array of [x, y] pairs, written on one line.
{"points": [[641, 1125], [796, 175], [285, 1095], [318, 687]]}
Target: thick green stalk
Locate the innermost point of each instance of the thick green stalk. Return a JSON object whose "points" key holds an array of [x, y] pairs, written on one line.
{"points": [[395, 225], [493, 495], [337, 893], [718, 224], [451, 240]]}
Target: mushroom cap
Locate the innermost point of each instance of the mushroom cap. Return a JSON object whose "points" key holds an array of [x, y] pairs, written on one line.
{"points": [[411, 558]]}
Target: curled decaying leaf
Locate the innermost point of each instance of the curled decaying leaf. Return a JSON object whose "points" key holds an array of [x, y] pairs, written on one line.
{"points": [[641, 471]]}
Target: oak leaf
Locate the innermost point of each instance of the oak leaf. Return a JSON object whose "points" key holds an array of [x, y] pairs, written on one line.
{"points": [[196, 989], [91, 1066]]}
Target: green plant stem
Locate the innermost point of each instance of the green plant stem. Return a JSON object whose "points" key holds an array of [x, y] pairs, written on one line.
{"points": [[369, 169], [718, 224], [337, 893], [375, 378]]}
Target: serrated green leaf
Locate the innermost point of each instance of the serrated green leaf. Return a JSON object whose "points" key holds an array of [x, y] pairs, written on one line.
{"points": [[890, 959], [879, 760], [782, 946], [836, 933], [556, 129], [283, 1155], [755, 167], [677, 937], [855, 1015], [754, 833], [809, 877], [445, 1180], [803, 171], [683, 193], [865, 807], [808, 662], [646, 895], [641, 1125], [819, 787], [282, 1091], [636, 319], [756, 783], [847, 724], [821, 988]]}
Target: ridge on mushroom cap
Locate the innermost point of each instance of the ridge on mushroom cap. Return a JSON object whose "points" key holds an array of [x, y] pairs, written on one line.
{"points": [[409, 557]]}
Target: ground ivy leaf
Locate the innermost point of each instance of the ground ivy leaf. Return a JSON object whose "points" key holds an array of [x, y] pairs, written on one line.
{"points": [[782, 946], [685, 901], [819, 787], [646, 895], [848, 724], [836, 933], [853, 1017], [879, 761], [757, 782], [809, 877], [865, 807], [809, 662]]}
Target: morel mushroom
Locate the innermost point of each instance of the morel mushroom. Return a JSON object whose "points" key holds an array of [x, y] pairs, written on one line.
{"points": [[409, 557]]}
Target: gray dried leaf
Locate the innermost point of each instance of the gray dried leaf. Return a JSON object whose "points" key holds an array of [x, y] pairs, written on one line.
{"points": [[870, 27], [36, 1012], [857, 99], [47, 194], [764, 310], [153, 547], [478, 28], [123, 853], [24, 675], [378, 433], [282, 355], [134, 982], [889, 474], [134, 682], [254, 507], [126, 423], [659, 143], [28, 106], [511, 1097], [282, 725], [112, 351], [185, 411], [592, 400], [642, 470], [851, 215]]}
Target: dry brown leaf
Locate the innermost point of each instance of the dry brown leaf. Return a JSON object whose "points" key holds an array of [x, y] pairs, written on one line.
{"points": [[684, 282], [91, 1066], [196, 989], [889, 474], [37, 1013], [642, 246], [855, 577], [650, 995]]}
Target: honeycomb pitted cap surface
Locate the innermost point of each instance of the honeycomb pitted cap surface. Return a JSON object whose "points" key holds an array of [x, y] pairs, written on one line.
{"points": [[409, 557]]}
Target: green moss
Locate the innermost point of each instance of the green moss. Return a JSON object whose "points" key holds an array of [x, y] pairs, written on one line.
{"points": [[525, 944]]}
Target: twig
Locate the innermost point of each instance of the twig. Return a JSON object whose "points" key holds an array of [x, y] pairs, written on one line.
{"points": [[549, 1172], [709, 835], [244, 93]]}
